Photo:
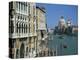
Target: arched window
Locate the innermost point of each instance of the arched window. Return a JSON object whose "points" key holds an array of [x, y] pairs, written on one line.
{"points": [[26, 28], [22, 27], [19, 27], [22, 50], [11, 27], [26, 51]]}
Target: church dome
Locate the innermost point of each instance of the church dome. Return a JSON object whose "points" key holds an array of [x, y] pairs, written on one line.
{"points": [[62, 21]]}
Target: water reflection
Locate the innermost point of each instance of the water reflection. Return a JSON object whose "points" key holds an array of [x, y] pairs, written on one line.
{"points": [[64, 44]]}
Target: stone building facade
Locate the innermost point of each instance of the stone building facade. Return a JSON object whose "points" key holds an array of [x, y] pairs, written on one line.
{"points": [[25, 29], [41, 30], [22, 29]]}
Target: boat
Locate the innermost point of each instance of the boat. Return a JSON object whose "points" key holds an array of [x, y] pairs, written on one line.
{"points": [[64, 46], [61, 37]]}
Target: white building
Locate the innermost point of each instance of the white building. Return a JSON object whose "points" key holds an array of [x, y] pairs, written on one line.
{"points": [[69, 23], [61, 23], [22, 29]]}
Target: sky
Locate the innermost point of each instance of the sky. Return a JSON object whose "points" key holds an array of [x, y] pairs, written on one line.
{"points": [[55, 11]]}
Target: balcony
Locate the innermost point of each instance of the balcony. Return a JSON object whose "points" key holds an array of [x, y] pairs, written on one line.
{"points": [[21, 35], [22, 12], [18, 35], [32, 34]]}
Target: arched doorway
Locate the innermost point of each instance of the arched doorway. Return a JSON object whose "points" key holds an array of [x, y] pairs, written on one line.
{"points": [[22, 51], [26, 51], [17, 53]]}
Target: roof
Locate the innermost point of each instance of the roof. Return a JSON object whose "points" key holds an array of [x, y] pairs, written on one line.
{"points": [[41, 8]]}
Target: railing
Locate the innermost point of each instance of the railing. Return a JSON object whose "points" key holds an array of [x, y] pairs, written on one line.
{"points": [[20, 35], [32, 34], [21, 12]]}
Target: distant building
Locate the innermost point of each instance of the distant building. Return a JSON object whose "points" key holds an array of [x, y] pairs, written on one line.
{"points": [[65, 27], [61, 23], [50, 30], [75, 29], [50, 33], [69, 23]]}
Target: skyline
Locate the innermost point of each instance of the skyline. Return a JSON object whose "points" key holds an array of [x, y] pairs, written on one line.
{"points": [[55, 11]]}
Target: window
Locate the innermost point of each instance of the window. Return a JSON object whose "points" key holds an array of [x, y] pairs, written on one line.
{"points": [[17, 27], [19, 6], [24, 7], [21, 17], [18, 17], [10, 5], [11, 43], [42, 35], [29, 27], [29, 9], [10, 53], [34, 42], [22, 27], [11, 27], [26, 28]]}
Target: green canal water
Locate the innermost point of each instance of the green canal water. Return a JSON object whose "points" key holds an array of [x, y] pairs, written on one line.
{"points": [[64, 44]]}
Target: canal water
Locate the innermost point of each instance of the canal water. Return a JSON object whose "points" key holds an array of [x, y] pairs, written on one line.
{"points": [[63, 44]]}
